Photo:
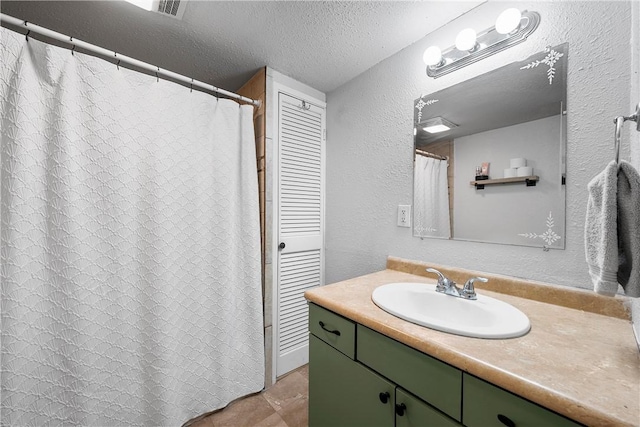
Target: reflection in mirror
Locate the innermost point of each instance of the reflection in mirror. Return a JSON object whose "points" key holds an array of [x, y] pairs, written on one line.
{"points": [[511, 120]]}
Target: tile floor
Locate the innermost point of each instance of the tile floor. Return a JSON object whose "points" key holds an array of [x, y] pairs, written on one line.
{"points": [[284, 404]]}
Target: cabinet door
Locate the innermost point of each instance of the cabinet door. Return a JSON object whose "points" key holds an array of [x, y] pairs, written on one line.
{"points": [[413, 412], [345, 393], [426, 377]]}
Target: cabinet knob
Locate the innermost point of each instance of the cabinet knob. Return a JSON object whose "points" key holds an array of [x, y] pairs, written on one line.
{"points": [[281, 245], [384, 397], [400, 409], [506, 420]]}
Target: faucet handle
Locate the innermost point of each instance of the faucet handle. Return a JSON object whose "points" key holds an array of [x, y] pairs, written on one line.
{"points": [[433, 270], [443, 282], [469, 290]]}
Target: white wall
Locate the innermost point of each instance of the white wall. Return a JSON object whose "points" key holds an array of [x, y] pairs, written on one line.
{"points": [[515, 209], [634, 136], [369, 148]]}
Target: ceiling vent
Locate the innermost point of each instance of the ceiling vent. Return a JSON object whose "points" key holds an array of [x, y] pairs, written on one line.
{"points": [[172, 8]]}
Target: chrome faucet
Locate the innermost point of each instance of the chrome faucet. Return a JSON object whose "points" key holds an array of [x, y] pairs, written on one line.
{"points": [[469, 291], [445, 285], [448, 286]]}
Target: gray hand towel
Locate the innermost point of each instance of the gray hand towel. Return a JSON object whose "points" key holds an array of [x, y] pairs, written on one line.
{"points": [[629, 229], [600, 232]]}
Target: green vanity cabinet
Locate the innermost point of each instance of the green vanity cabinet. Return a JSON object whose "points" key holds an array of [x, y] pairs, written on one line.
{"points": [[344, 392], [359, 377]]}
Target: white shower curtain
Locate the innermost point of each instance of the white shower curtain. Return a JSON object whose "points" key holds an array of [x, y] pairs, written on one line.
{"points": [[431, 198], [130, 244]]}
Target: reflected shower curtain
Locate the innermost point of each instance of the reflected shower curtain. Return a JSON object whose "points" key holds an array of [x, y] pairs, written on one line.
{"points": [[431, 198], [130, 244]]}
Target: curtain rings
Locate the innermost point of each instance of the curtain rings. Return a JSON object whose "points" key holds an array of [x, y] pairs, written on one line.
{"points": [[192, 85], [26, 36], [73, 46], [118, 65], [157, 77]]}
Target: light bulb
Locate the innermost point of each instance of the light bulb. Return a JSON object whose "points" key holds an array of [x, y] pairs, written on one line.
{"points": [[466, 39], [508, 21], [432, 56]]}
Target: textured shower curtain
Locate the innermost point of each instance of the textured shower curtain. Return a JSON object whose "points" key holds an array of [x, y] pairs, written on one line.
{"points": [[431, 198], [130, 244]]}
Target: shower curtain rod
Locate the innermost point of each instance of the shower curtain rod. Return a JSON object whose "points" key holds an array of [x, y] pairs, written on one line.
{"points": [[32, 28], [428, 154]]}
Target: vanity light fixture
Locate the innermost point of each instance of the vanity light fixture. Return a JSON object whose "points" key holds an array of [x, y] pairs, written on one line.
{"points": [[512, 27], [438, 124]]}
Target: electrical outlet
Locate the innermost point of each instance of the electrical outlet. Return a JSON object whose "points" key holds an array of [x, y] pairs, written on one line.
{"points": [[404, 215]]}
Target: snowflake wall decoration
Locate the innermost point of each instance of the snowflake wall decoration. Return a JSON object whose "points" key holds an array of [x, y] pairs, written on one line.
{"points": [[424, 229], [421, 104], [548, 236], [550, 60]]}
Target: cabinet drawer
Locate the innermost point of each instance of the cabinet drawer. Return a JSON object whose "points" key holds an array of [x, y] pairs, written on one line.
{"points": [[417, 413], [333, 329], [485, 405], [428, 378]]}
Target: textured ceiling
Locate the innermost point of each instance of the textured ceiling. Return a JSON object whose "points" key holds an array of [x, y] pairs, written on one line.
{"points": [[322, 44]]}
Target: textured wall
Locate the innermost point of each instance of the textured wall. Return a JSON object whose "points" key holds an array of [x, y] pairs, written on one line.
{"points": [[369, 148]]}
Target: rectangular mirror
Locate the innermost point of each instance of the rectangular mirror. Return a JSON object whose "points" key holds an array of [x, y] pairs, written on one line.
{"points": [[514, 119]]}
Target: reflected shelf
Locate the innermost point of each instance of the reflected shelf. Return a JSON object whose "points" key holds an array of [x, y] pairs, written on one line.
{"points": [[530, 181]]}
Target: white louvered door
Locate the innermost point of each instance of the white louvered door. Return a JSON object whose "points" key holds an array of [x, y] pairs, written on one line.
{"points": [[301, 133]]}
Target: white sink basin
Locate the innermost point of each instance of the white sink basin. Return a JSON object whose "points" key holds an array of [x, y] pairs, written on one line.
{"points": [[419, 303]]}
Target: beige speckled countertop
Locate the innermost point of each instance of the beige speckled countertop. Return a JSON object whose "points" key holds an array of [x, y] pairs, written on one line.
{"points": [[576, 362]]}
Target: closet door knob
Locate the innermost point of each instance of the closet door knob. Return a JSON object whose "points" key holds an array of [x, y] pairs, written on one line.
{"points": [[281, 245], [400, 409]]}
